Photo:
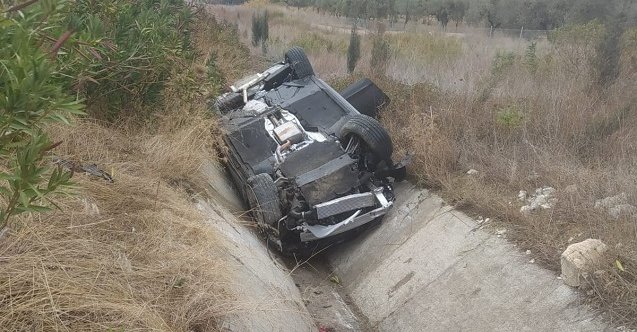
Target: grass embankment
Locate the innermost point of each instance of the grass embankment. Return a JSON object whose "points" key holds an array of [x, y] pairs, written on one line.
{"points": [[134, 254], [528, 128], [524, 115]]}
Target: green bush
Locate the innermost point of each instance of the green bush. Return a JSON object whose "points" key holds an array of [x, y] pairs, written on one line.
{"points": [[575, 46], [354, 50], [124, 51], [381, 53], [502, 62], [530, 57], [31, 96], [260, 30], [509, 116]]}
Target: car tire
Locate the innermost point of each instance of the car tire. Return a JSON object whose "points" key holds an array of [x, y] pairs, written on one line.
{"points": [[371, 132], [228, 102], [263, 199], [301, 66]]}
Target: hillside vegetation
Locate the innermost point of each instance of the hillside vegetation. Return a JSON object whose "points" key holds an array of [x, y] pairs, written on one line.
{"points": [[556, 111], [122, 85]]}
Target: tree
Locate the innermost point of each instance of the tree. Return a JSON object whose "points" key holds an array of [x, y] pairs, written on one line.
{"points": [[457, 11], [381, 53], [354, 50], [260, 30], [442, 15]]}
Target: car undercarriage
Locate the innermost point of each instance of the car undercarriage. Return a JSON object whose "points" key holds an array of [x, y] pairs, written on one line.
{"points": [[309, 163]]}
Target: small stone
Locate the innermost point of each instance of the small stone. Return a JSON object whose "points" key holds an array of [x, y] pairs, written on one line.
{"points": [[487, 220], [532, 261], [559, 278], [522, 195], [528, 252], [581, 258], [570, 239], [525, 210], [472, 172], [501, 231], [548, 191]]}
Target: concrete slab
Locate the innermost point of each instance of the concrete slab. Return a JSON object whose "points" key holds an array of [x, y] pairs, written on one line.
{"points": [[428, 267], [265, 296]]}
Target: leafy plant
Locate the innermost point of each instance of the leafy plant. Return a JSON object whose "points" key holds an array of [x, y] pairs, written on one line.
{"points": [[502, 62], [260, 30], [30, 97], [381, 53], [509, 116], [124, 52], [354, 50], [530, 57]]}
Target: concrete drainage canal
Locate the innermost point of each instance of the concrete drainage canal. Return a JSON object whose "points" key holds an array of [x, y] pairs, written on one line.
{"points": [[426, 267]]}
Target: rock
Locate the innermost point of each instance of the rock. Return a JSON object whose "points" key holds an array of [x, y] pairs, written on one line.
{"points": [[611, 201], [472, 172], [528, 252], [581, 258], [542, 198], [616, 206], [522, 195], [621, 210]]}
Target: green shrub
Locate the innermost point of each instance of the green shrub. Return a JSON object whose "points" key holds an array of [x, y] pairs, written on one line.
{"points": [[502, 62], [509, 116], [260, 30], [381, 53], [124, 52], [575, 46], [30, 97], [354, 50], [530, 57]]}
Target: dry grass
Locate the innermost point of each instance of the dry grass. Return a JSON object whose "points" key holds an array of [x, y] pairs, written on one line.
{"points": [[463, 100], [130, 255], [133, 255]]}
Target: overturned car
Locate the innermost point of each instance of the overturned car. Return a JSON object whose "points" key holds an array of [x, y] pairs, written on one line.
{"points": [[311, 163]]}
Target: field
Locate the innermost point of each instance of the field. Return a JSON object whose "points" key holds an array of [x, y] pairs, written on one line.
{"points": [[526, 114]]}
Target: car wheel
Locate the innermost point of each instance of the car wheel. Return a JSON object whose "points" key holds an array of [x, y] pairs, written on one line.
{"points": [[228, 102], [300, 64], [263, 199], [371, 132]]}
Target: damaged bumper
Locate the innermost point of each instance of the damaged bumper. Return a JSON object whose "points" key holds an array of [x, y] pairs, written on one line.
{"points": [[317, 232]]}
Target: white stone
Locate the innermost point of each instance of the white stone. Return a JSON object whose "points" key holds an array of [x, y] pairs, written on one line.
{"points": [[611, 201], [620, 210], [522, 195], [616, 206], [581, 258], [528, 252], [542, 198], [472, 172]]}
